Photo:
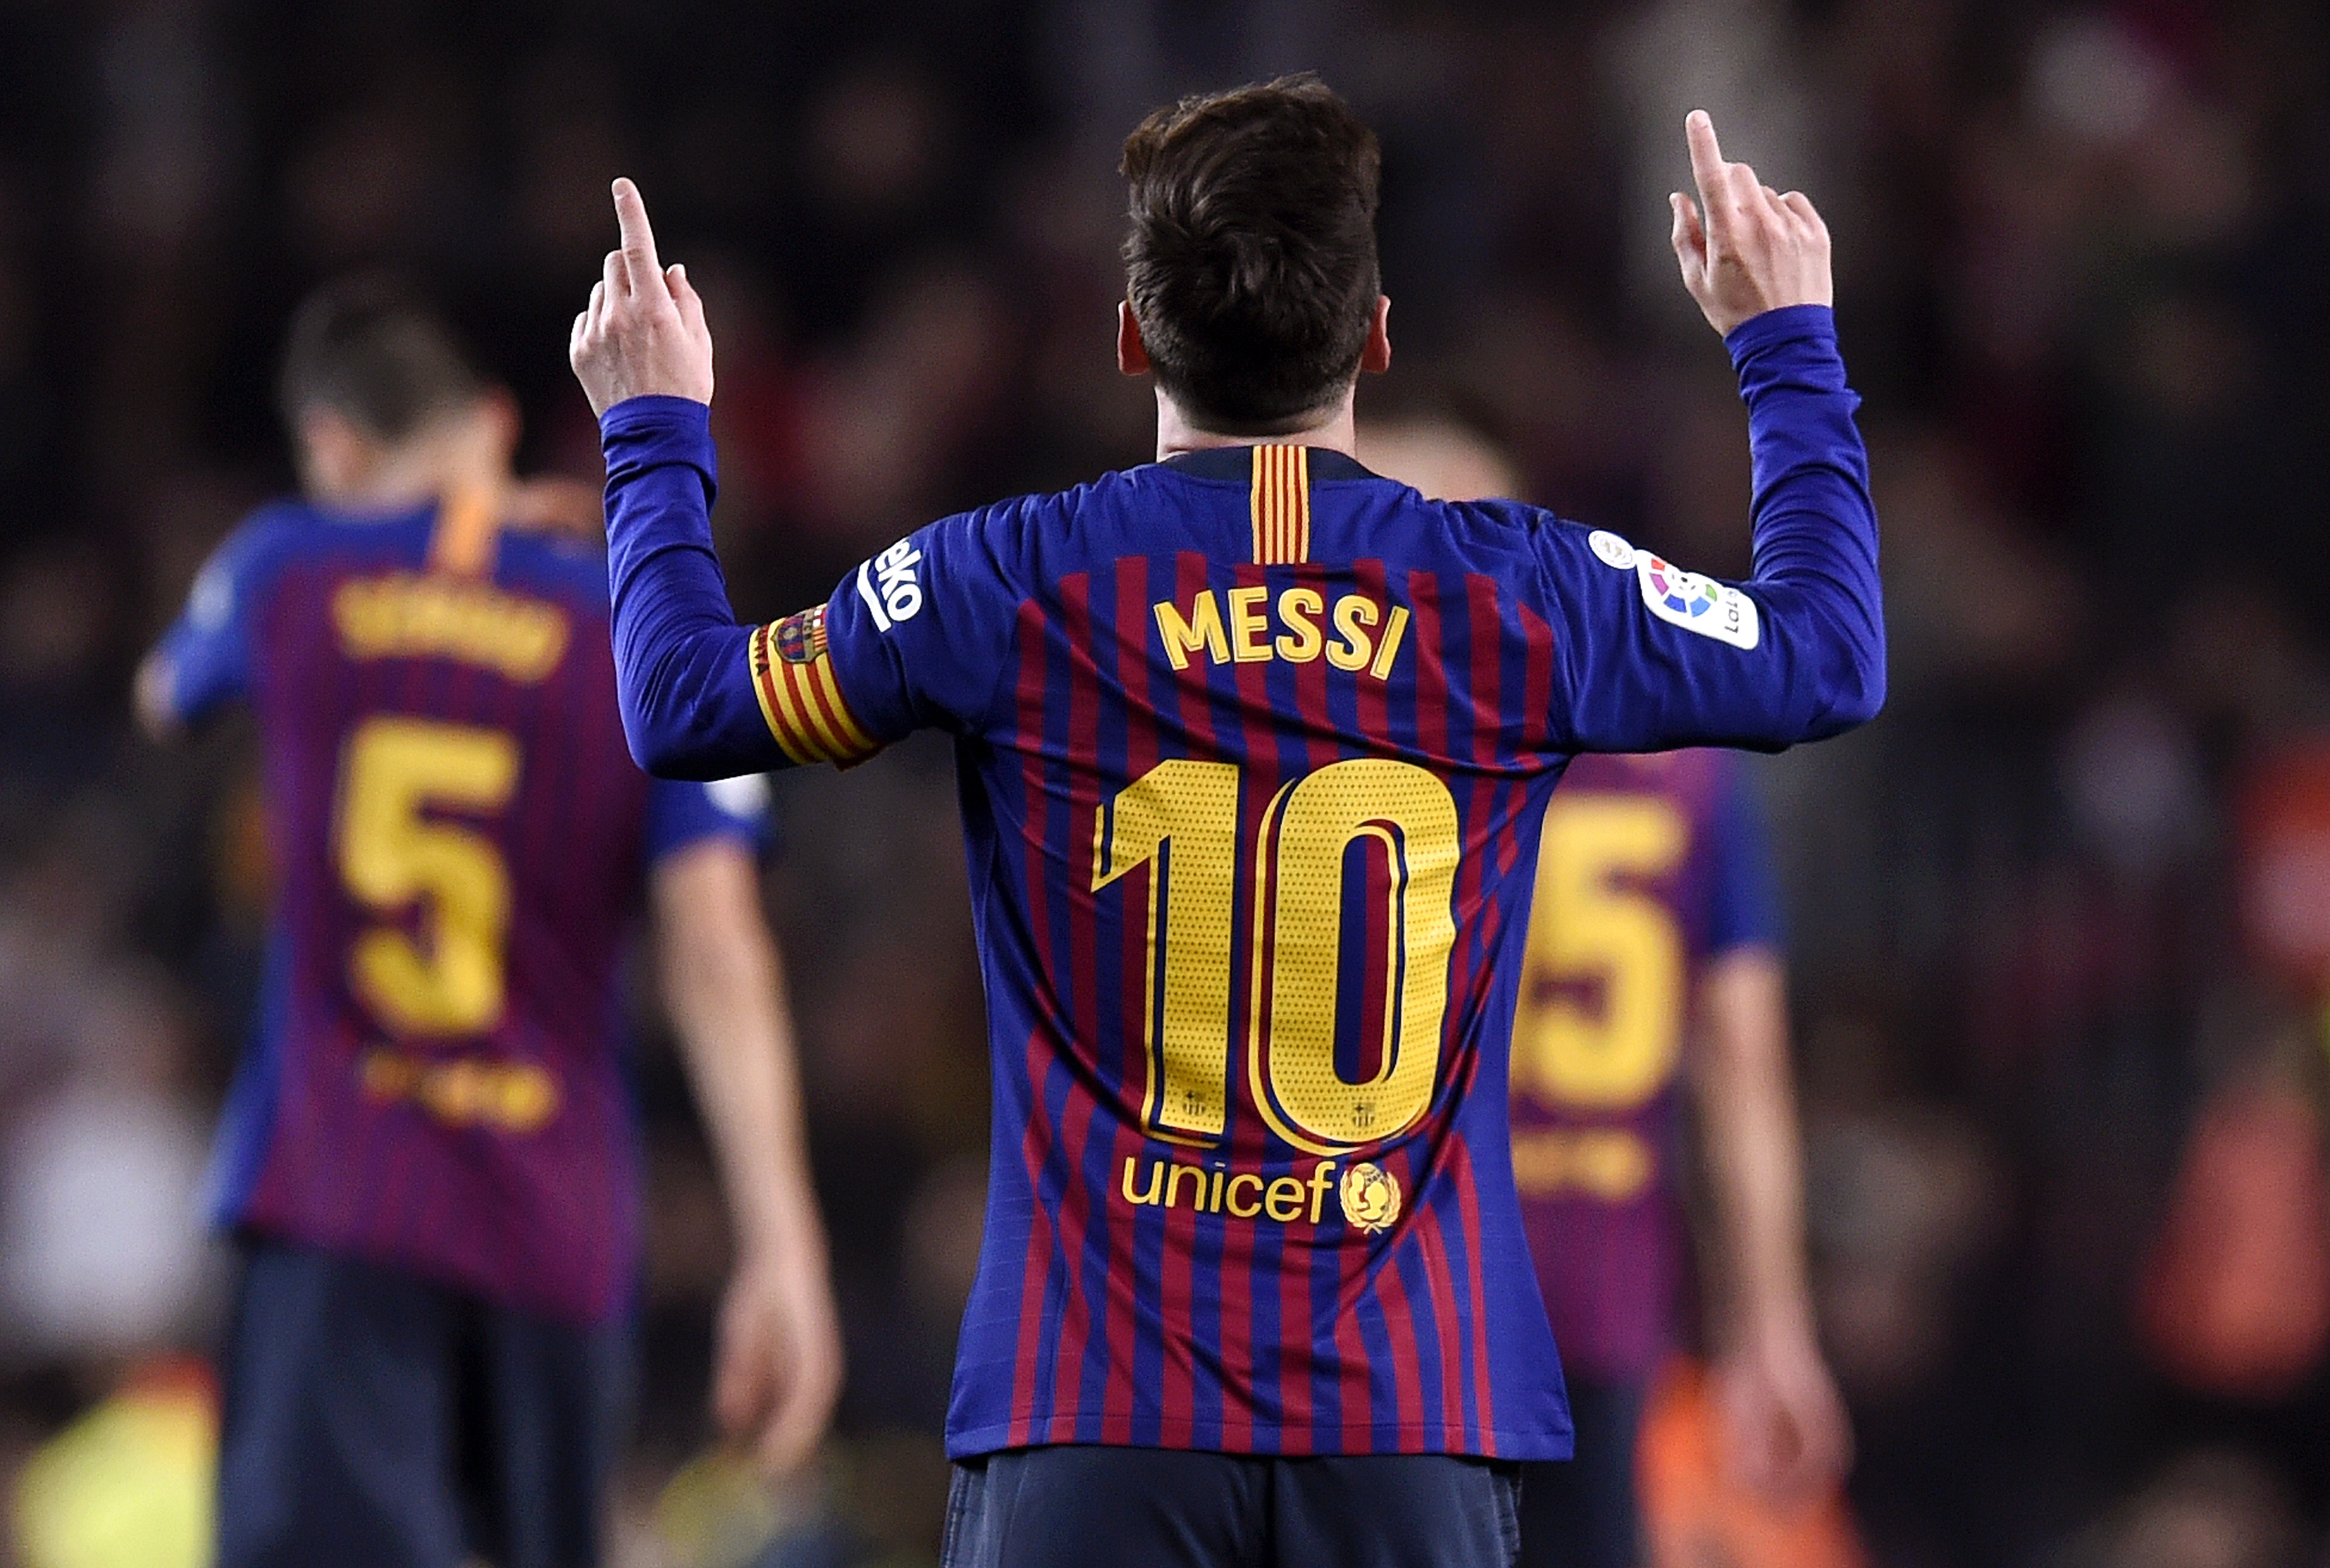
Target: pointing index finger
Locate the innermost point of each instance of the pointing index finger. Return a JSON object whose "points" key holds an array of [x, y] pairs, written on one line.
{"points": [[1706, 154], [639, 240]]}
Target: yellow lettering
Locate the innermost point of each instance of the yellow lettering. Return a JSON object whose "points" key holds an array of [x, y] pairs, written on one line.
{"points": [[1319, 1182], [1285, 1190], [1246, 1213], [1300, 608], [1249, 626], [528, 1097], [1214, 1203], [402, 615], [1393, 631], [1203, 630], [1197, 1175], [1144, 1199], [1353, 615], [1611, 1164], [464, 1090]]}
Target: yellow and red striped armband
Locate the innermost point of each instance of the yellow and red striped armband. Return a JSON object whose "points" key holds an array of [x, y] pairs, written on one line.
{"points": [[799, 695]]}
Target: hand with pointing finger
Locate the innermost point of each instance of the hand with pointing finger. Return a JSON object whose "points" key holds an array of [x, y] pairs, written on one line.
{"points": [[643, 333], [1745, 248]]}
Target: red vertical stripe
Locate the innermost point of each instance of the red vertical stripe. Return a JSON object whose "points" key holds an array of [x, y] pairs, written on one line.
{"points": [[1444, 1311], [1432, 696], [1030, 741], [1488, 721], [1353, 1373], [1405, 1372], [1406, 1343], [1258, 755], [1140, 757], [1077, 1197], [1298, 1334], [1468, 1209], [1537, 686], [1178, 1396]]}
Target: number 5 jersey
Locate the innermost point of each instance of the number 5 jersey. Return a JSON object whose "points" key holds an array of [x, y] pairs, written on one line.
{"points": [[459, 840], [1253, 750]]}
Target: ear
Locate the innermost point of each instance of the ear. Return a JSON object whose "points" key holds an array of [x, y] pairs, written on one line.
{"points": [[1132, 354], [1375, 358]]}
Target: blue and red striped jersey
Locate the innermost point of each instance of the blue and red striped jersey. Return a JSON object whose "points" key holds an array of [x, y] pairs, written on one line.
{"points": [[1650, 868], [460, 838], [1255, 748]]}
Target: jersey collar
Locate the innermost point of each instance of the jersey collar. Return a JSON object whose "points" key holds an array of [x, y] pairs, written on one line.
{"points": [[1237, 463]]}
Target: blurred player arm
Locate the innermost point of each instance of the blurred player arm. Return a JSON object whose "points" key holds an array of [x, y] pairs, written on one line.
{"points": [[202, 662], [1787, 1430], [779, 1367], [1664, 657], [1786, 1427]]}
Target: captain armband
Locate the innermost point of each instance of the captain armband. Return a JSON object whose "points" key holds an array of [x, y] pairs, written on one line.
{"points": [[801, 699]]}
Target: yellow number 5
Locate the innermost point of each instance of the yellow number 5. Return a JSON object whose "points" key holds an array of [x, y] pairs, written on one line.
{"points": [[1587, 926], [392, 857]]}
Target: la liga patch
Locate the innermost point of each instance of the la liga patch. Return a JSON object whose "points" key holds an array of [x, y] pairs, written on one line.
{"points": [[1698, 604]]}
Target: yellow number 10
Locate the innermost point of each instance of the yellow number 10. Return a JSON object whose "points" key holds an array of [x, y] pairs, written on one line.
{"points": [[1181, 819]]}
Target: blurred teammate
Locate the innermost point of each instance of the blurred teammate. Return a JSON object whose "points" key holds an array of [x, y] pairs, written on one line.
{"points": [[1254, 749], [1653, 962], [427, 1153]]}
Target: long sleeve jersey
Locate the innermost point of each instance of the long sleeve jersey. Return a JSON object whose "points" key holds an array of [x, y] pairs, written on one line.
{"points": [[1254, 749]]}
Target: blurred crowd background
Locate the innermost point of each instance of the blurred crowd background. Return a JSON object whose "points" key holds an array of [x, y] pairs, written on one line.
{"points": [[2060, 918]]}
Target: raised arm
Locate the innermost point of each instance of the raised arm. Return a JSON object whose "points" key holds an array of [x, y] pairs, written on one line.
{"points": [[701, 696], [643, 354], [1660, 657]]}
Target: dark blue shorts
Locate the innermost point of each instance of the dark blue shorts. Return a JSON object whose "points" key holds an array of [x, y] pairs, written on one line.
{"points": [[1582, 1513], [372, 1417], [1084, 1508]]}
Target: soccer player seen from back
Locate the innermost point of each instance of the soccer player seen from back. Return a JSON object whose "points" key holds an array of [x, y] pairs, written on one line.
{"points": [[1253, 750], [1654, 1004], [427, 1156]]}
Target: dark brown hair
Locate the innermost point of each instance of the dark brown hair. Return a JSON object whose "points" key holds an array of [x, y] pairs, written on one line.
{"points": [[1251, 266], [370, 350]]}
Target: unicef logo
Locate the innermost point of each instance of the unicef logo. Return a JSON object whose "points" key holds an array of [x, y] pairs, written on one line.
{"points": [[1684, 593], [1371, 1196]]}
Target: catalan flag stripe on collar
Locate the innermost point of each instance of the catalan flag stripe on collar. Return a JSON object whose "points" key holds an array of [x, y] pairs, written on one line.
{"points": [[467, 530], [801, 699], [1281, 505]]}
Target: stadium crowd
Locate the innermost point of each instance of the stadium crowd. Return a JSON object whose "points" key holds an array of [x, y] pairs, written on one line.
{"points": [[2059, 919]]}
